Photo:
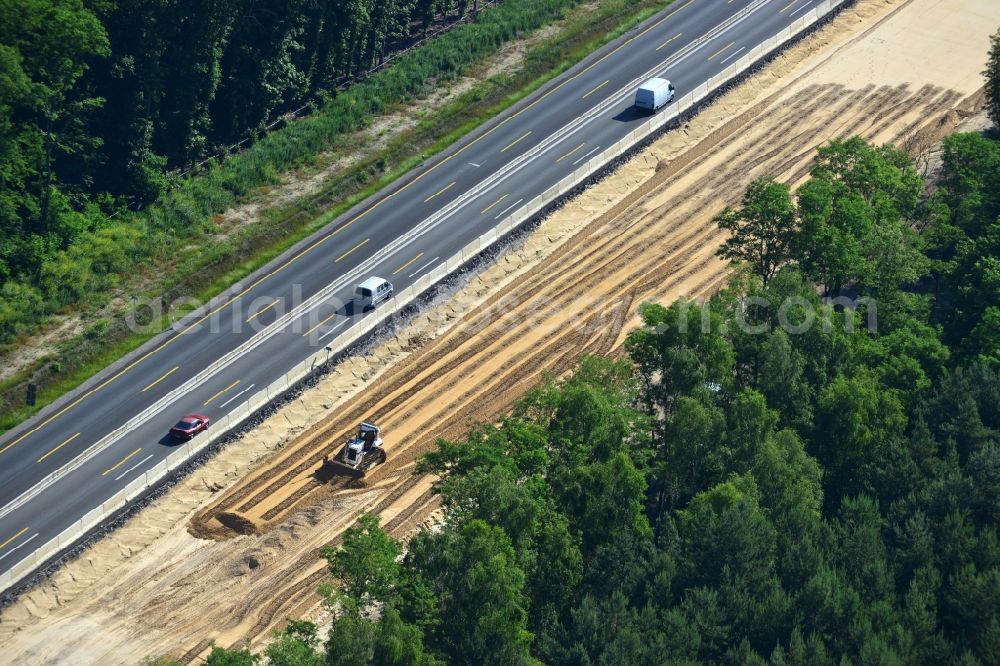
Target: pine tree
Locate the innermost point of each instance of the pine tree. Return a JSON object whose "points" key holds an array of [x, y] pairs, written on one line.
{"points": [[992, 75]]}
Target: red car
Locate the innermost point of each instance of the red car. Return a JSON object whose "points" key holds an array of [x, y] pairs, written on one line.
{"points": [[189, 426]]}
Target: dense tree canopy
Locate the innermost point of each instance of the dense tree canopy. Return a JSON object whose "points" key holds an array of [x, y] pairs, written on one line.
{"points": [[44, 50], [755, 483], [769, 476], [98, 96], [742, 489], [762, 228], [992, 76], [102, 102]]}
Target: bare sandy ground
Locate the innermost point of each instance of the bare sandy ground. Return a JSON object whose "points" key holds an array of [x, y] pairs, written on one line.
{"points": [[230, 552]]}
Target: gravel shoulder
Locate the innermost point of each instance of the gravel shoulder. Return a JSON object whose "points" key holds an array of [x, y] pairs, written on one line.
{"points": [[231, 551]]}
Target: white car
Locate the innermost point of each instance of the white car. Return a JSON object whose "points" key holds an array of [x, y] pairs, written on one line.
{"points": [[373, 291]]}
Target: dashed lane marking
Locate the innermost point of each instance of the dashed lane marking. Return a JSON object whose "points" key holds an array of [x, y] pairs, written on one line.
{"points": [[58, 447], [221, 392], [120, 462]]}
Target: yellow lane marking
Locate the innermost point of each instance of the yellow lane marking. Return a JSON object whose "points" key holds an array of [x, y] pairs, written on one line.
{"points": [[514, 142], [524, 110], [596, 88], [58, 447], [408, 263], [164, 376], [264, 309], [120, 462], [569, 153], [353, 249], [192, 327], [336, 231], [441, 191], [2, 545], [221, 392], [319, 324], [722, 50], [677, 36], [487, 209], [788, 6]]}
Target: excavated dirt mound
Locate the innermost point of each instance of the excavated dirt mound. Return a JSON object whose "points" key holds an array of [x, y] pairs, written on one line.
{"points": [[231, 552], [238, 523]]}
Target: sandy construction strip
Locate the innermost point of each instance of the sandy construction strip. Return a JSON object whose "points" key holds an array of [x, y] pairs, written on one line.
{"points": [[230, 552]]}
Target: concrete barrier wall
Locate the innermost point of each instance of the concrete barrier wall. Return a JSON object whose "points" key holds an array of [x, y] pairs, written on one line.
{"points": [[356, 332]]}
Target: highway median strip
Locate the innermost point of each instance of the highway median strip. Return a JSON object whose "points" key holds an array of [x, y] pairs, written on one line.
{"points": [[3, 512]]}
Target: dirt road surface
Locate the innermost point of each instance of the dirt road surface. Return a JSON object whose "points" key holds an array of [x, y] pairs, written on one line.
{"points": [[231, 552]]}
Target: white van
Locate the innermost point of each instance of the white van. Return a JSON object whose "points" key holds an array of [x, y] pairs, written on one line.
{"points": [[653, 95], [373, 291]]}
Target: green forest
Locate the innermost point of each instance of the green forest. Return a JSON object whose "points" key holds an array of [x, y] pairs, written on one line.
{"points": [[805, 469], [102, 102], [768, 477]]}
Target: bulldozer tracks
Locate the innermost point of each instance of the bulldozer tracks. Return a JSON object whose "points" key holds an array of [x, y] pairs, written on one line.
{"points": [[645, 233], [579, 301], [658, 241]]}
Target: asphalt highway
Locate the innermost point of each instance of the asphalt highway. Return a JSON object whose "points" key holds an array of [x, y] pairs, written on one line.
{"points": [[399, 234]]}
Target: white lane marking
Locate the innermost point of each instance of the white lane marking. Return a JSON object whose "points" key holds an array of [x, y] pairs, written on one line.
{"points": [[497, 179], [19, 545], [119, 477], [586, 156], [507, 209], [475, 165], [332, 330], [423, 267], [236, 396], [732, 55], [805, 6], [575, 126]]}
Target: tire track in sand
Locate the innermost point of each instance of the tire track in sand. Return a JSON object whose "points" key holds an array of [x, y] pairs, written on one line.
{"points": [[645, 233]]}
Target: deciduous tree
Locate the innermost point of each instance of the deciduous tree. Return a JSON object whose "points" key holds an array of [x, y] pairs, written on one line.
{"points": [[761, 229], [366, 563]]}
